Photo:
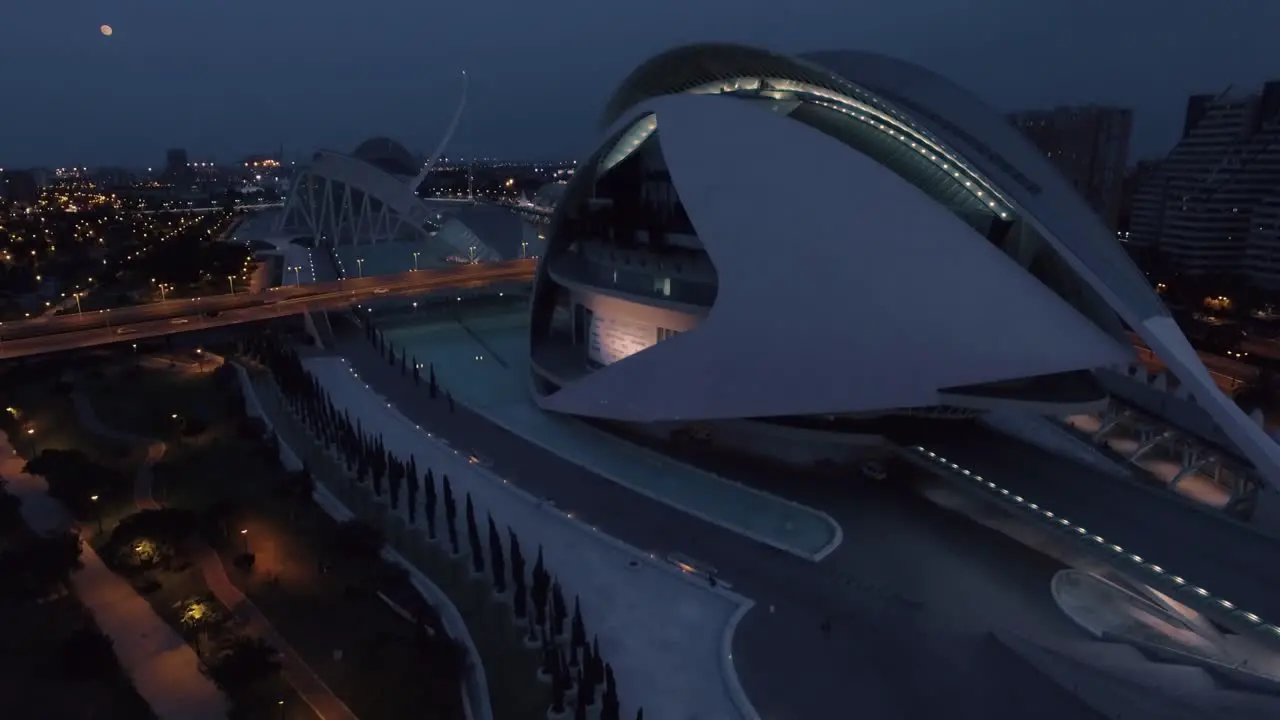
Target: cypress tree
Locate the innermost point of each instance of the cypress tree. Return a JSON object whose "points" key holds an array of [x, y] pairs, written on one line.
{"points": [[432, 390], [577, 630], [586, 693], [473, 538], [429, 491], [557, 684], [393, 479], [451, 516], [417, 376], [496, 560], [558, 611], [597, 664], [414, 485], [541, 584]]}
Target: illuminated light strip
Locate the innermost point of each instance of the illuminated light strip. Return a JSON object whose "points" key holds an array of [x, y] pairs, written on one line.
{"points": [[936, 159], [872, 111], [1018, 500]]}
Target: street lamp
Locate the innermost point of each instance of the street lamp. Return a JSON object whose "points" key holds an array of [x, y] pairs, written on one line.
{"points": [[79, 311], [231, 282], [244, 535], [415, 261], [360, 266], [297, 275], [162, 293], [97, 510]]}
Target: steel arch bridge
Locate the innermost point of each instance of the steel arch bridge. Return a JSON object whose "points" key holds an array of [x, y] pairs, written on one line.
{"points": [[351, 199]]}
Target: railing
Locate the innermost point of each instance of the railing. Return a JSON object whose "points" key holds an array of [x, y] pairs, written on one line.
{"points": [[1127, 563]]}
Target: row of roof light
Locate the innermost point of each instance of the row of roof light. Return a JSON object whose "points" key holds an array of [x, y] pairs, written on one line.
{"points": [[884, 118], [924, 149], [629, 141], [1137, 561]]}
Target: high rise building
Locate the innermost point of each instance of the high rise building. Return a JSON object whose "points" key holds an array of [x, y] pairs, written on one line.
{"points": [[20, 187], [1262, 248], [1089, 145], [177, 169], [1196, 210]]}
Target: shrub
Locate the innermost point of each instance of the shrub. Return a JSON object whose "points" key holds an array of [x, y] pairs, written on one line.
{"points": [[73, 479], [87, 652], [356, 539], [243, 666]]}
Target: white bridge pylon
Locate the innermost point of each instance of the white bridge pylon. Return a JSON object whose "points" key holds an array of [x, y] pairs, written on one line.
{"points": [[343, 200]]}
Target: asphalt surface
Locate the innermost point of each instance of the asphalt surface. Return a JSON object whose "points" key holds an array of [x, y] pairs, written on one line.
{"points": [[69, 332], [400, 283], [912, 595], [1231, 561]]}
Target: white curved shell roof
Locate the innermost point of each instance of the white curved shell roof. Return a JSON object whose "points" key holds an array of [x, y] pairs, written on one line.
{"points": [[842, 286]]}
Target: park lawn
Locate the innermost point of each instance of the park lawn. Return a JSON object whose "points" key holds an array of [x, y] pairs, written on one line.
{"points": [[49, 410], [144, 399], [33, 683], [510, 668], [384, 672]]}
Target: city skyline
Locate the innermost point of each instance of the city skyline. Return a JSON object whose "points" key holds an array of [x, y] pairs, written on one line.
{"points": [[311, 75]]}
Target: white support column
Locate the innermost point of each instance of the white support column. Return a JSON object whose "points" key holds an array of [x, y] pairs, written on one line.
{"points": [[331, 215], [324, 220], [345, 219]]}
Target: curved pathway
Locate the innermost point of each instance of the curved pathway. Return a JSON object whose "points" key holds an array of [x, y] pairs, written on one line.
{"points": [[300, 676]]}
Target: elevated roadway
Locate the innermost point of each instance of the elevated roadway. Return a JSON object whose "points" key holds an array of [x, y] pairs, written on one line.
{"points": [[70, 332], [1231, 560]]}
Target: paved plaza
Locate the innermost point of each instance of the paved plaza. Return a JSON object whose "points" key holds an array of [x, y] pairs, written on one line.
{"points": [[662, 631], [483, 361]]}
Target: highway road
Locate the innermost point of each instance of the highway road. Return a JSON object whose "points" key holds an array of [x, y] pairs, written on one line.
{"points": [[131, 324], [399, 284]]}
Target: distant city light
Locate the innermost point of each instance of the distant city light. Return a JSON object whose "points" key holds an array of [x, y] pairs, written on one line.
{"points": [[106, 30]]}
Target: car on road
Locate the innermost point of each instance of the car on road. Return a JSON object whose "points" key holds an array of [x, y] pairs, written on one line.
{"points": [[380, 291], [179, 321], [125, 331]]}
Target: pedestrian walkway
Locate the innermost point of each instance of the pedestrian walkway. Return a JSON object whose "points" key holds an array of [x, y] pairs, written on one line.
{"points": [[484, 363], [665, 633], [300, 676], [163, 668]]}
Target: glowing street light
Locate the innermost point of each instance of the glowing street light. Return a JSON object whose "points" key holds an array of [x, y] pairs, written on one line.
{"points": [[244, 535], [360, 266], [415, 261], [231, 282], [97, 510]]}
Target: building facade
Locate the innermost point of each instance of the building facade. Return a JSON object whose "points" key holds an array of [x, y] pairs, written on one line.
{"points": [[1090, 147], [932, 262], [1196, 210]]}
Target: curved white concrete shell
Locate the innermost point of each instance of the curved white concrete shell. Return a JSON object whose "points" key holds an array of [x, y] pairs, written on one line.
{"points": [[835, 234]]}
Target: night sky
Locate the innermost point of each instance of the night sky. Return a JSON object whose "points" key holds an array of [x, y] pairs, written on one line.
{"points": [[224, 78]]}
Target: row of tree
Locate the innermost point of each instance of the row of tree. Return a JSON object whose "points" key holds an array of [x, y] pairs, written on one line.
{"points": [[580, 678]]}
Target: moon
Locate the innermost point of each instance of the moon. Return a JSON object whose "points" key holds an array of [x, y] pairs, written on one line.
{"points": [[106, 30]]}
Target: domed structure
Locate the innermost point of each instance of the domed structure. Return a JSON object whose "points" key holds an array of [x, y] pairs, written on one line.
{"points": [[827, 239], [387, 155]]}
